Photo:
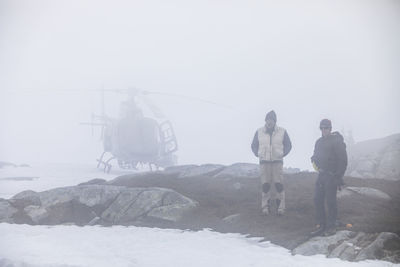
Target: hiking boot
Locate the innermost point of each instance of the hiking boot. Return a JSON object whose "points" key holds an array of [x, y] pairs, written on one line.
{"points": [[330, 231], [319, 230]]}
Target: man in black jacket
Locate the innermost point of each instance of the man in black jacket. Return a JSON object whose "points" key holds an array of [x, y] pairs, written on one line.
{"points": [[330, 160], [270, 144]]}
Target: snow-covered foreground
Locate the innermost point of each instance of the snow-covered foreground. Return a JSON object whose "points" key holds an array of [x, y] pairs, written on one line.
{"points": [[140, 246], [23, 245]]}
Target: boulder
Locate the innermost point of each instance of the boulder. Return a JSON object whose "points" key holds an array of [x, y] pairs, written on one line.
{"points": [[173, 207], [250, 170], [353, 246], [377, 158], [231, 219], [364, 191], [90, 195], [364, 168], [323, 245], [94, 181], [26, 198], [124, 179], [205, 169], [240, 170], [179, 169], [7, 211], [390, 163], [36, 213], [133, 204], [379, 248], [120, 210], [95, 204]]}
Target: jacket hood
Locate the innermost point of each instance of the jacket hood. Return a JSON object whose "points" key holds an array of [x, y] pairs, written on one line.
{"points": [[337, 135]]}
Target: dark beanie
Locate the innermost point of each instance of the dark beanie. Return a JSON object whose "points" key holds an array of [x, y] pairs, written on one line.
{"points": [[271, 115], [325, 123]]}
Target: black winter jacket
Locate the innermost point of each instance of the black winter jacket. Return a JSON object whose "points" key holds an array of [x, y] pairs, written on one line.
{"points": [[330, 155]]}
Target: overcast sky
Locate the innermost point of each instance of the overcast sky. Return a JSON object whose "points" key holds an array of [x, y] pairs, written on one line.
{"points": [[307, 60]]}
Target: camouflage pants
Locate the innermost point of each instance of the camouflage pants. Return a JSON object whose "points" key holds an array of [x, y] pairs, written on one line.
{"points": [[272, 186]]}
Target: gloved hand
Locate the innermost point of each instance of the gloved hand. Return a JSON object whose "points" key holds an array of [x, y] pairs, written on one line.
{"points": [[315, 166]]}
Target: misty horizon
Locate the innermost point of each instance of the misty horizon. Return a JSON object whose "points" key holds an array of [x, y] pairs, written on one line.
{"points": [[306, 60]]}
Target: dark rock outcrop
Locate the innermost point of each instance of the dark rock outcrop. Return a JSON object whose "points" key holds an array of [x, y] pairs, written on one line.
{"points": [[240, 170], [195, 170], [94, 181], [82, 204], [7, 211], [354, 246]]}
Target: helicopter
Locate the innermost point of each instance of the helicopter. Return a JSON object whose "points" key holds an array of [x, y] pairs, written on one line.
{"points": [[135, 139]]}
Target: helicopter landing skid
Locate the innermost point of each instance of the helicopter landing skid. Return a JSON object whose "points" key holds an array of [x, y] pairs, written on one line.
{"points": [[105, 164], [128, 164]]}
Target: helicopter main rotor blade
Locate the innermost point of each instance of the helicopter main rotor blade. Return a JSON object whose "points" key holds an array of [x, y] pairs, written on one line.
{"points": [[132, 91], [189, 97], [156, 111], [92, 123]]}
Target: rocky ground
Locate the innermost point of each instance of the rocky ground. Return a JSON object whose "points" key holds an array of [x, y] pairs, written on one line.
{"points": [[232, 204], [225, 199]]}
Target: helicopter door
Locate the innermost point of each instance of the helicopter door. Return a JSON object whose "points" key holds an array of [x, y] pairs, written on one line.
{"points": [[169, 142], [137, 140]]}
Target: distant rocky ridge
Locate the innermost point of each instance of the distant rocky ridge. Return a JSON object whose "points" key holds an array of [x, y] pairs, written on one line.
{"points": [[5, 164], [9, 164], [250, 170], [377, 158]]}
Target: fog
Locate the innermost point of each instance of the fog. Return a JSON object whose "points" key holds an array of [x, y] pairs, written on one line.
{"points": [[307, 60]]}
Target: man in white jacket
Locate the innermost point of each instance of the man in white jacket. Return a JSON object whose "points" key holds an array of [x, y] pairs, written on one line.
{"points": [[271, 144]]}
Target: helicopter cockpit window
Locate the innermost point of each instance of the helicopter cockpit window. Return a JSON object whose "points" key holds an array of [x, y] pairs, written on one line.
{"points": [[129, 109]]}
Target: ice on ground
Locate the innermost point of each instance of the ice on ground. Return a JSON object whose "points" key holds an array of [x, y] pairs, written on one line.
{"points": [[40, 177], [141, 246]]}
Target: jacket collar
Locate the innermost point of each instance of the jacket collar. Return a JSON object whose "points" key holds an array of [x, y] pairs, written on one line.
{"points": [[268, 131]]}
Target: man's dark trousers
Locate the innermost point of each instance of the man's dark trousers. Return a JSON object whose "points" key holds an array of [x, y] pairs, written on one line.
{"points": [[325, 191]]}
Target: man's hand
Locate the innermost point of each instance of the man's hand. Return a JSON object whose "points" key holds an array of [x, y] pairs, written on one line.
{"points": [[340, 183], [315, 166]]}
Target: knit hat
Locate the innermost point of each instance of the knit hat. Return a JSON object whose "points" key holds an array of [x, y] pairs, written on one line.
{"points": [[325, 123], [271, 115]]}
